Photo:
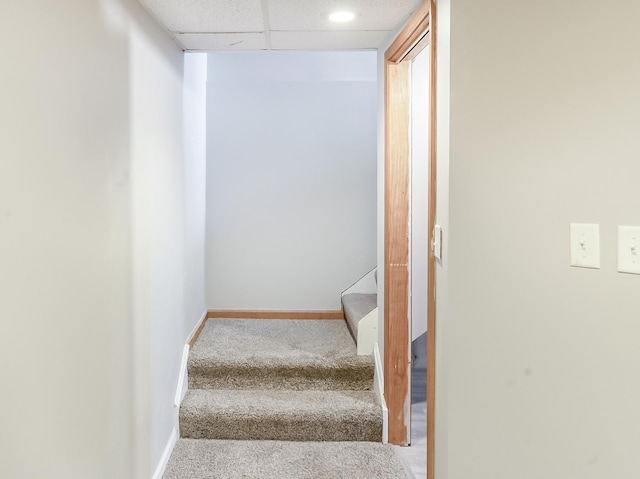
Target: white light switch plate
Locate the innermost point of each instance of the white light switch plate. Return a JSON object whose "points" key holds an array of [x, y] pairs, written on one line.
{"points": [[585, 245], [437, 241], [629, 249]]}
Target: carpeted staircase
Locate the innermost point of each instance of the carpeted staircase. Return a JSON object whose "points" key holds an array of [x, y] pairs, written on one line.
{"points": [[280, 399], [356, 306]]}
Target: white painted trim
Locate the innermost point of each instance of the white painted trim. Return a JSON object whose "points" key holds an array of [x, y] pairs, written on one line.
{"points": [[166, 454], [195, 328], [367, 333], [183, 385], [183, 378], [366, 285], [385, 422], [378, 385], [378, 375], [181, 390]]}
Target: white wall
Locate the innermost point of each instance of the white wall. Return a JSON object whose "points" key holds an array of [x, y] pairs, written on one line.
{"points": [[443, 96], [65, 303], [195, 177], [92, 249], [291, 199], [420, 91], [543, 358], [166, 173]]}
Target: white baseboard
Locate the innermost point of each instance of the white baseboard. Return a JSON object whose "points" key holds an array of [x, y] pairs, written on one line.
{"points": [[166, 454], [183, 385], [183, 378], [181, 390], [367, 333], [196, 327], [378, 384]]}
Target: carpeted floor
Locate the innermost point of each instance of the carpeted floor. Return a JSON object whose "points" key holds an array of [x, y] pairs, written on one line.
{"points": [[205, 459], [280, 399]]}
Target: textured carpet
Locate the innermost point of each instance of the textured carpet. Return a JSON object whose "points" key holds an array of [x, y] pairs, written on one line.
{"points": [[255, 383], [356, 306], [206, 459], [281, 415], [278, 354]]}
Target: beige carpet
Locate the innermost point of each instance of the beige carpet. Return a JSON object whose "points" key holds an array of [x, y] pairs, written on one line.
{"points": [[280, 399], [278, 354], [281, 415], [206, 459]]}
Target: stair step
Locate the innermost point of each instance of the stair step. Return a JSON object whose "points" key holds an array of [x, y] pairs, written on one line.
{"points": [[194, 458], [356, 306], [278, 354], [281, 415]]}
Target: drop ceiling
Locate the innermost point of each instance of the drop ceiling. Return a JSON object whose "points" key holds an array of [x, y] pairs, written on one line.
{"points": [[230, 25]]}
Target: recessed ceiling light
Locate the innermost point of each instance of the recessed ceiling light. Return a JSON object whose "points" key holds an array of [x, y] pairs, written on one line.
{"points": [[342, 16]]}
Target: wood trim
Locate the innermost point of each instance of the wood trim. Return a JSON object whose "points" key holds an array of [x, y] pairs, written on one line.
{"points": [[237, 314], [196, 335], [420, 46], [396, 220], [431, 267], [418, 33], [415, 28]]}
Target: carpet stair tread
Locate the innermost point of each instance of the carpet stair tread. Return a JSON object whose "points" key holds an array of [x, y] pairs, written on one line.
{"points": [[209, 459], [281, 415], [278, 354]]}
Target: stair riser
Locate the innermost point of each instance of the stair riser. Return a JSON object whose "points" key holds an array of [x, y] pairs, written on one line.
{"points": [[360, 379], [282, 429]]}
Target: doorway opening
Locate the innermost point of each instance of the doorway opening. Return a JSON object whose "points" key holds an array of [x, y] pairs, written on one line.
{"points": [[418, 35]]}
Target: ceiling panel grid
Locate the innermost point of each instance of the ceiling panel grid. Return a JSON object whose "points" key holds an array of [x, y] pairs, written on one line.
{"points": [[214, 25]]}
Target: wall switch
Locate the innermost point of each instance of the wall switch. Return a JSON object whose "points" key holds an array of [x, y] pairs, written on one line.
{"points": [[436, 243], [585, 245], [629, 249]]}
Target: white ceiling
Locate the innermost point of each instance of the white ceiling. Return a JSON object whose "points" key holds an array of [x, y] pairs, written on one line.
{"points": [[279, 24]]}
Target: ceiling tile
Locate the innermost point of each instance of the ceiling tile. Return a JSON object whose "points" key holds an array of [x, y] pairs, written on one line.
{"points": [[338, 40], [223, 41], [301, 15], [208, 15]]}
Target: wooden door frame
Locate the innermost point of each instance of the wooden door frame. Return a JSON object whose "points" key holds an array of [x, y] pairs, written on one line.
{"points": [[418, 33]]}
